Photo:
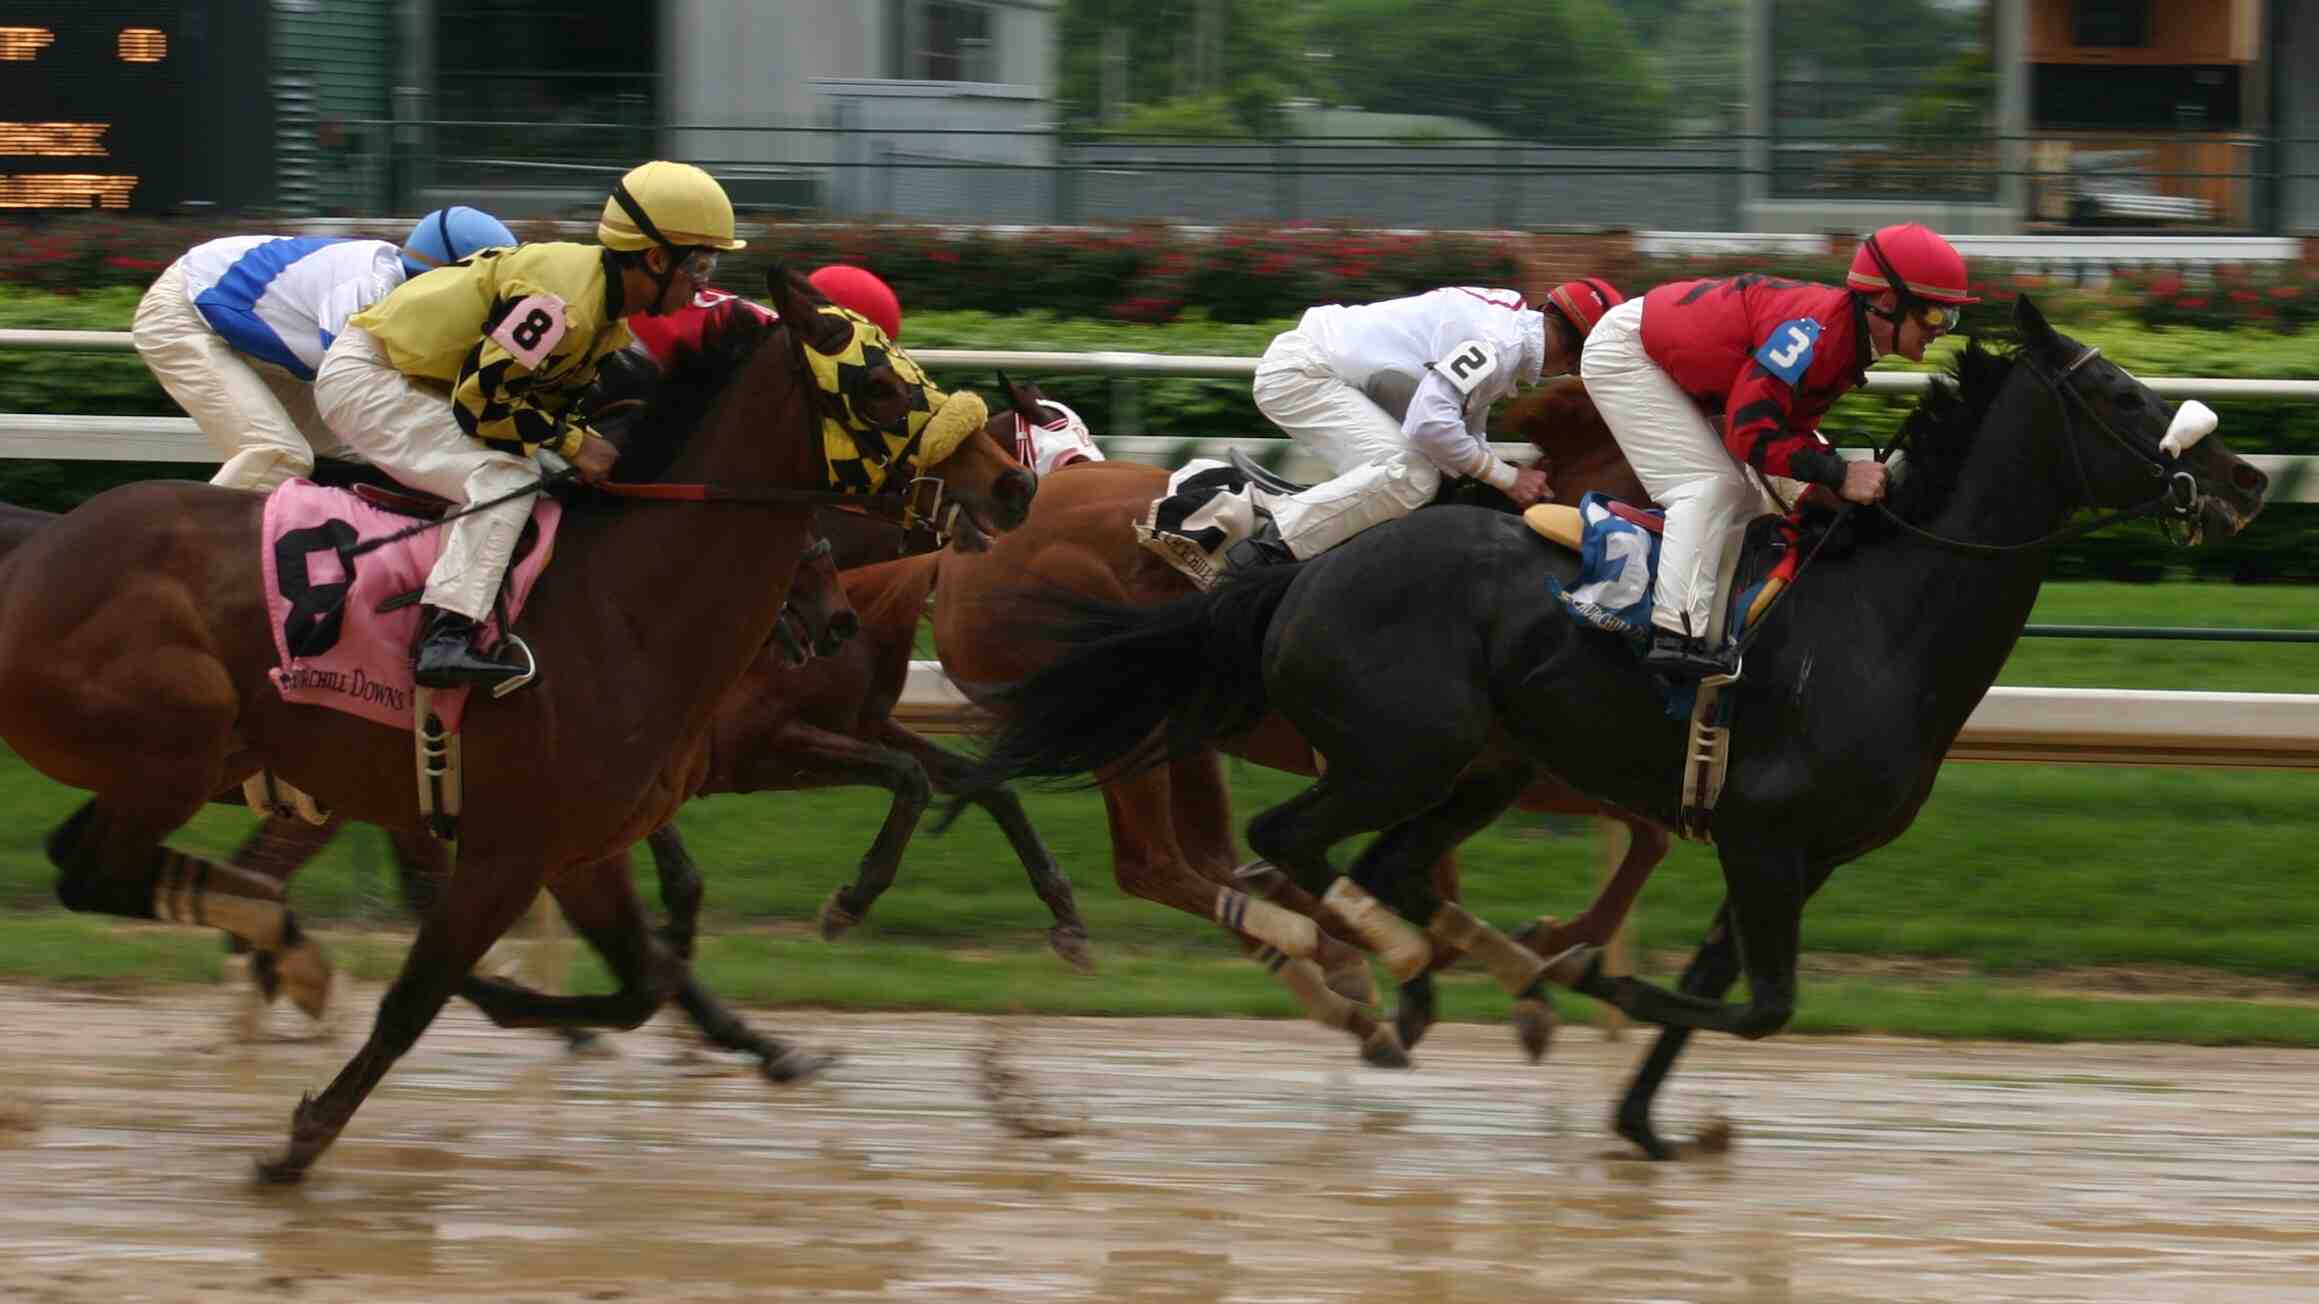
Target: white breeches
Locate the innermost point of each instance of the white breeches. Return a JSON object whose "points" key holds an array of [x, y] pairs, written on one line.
{"points": [[1681, 460], [405, 427], [261, 419], [1379, 477]]}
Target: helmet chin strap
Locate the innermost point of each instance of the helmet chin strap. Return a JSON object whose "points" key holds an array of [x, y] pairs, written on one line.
{"points": [[1902, 298], [636, 214]]}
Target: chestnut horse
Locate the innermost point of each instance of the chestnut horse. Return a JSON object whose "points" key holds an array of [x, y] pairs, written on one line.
{"points": [[1171, 829], [134, 651]]}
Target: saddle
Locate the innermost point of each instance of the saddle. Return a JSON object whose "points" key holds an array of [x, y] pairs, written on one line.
{"points": [[344, 615], [1618, 548]]}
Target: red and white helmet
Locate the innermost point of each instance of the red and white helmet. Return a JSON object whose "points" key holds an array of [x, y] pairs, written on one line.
{"points": [[1913, 262], [1584, 301], [858, 290]]}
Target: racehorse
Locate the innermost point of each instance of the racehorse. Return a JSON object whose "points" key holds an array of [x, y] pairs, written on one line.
{"points": [[1171, 831], [1411, 658], [134, 652]]}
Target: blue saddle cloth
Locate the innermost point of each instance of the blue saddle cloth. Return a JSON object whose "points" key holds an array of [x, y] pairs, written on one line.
{"points": [[1618, 568]]}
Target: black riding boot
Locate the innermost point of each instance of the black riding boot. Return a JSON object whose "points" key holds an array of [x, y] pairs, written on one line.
{"points": [[447, 656], [1682, 658], [1263, 548]]}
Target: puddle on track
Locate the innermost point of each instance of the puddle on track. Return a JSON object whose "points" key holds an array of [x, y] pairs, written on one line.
{"points": [[1222, 1160]]}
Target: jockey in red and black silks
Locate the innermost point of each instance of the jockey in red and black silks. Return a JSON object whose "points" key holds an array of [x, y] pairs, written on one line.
{"points": [[1703, 381]]}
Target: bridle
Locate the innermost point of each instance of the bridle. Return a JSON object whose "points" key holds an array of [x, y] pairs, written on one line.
{"points": [[2179, 498]]}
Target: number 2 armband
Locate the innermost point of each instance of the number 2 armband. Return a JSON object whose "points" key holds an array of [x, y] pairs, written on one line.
{"points": [[1467, 366]]}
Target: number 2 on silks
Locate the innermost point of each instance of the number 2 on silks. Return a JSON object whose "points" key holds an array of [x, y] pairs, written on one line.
{"points": [[1788, 353], [1468, 365]]}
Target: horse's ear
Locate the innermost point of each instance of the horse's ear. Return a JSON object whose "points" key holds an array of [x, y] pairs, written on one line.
{"points": [[2036, 332], [797, 302], [1023, 404]]}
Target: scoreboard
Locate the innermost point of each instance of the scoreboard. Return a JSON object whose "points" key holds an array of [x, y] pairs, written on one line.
{"points": [[93, 99]]}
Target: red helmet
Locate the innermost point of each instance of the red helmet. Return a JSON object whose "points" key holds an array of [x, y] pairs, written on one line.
{"points": [[1583, 302], [1913, 262], [857, 289]]}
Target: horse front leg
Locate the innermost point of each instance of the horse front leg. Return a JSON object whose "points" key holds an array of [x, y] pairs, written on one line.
{"points": [[1600, 921], [944, 768], [478, 905], [600, 902], [799, 757]]}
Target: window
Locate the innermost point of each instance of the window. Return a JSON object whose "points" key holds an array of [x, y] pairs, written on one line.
{"points": [[953, 42]]}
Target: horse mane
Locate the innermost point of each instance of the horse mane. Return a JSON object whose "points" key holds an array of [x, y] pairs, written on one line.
{"points": [[678, 400], [1553, 413], [1939, 434]]}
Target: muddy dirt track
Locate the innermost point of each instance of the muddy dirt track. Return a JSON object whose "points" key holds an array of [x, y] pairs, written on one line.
{"points": [[1219, 1161]]}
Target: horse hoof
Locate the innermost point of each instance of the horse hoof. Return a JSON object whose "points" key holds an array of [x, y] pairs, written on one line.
{"points": [[794, 1066], [1352, 980], [1382, 1049], [1071, 945], [834, 918], [1533, 1026], [280, 1172], [1416, 1013], [305, 975]]}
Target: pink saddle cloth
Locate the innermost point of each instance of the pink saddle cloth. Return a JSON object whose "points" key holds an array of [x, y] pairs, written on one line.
{"points": [[365, 669]]}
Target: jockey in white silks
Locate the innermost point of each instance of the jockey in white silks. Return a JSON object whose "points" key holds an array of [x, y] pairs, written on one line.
{"points": [[235, 329], [1394, 396]]}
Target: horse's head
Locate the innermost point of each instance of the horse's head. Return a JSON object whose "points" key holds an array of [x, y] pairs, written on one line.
{"points": [[1045, 435], [1559, 420], [2127, 446], [890, 430], [818, 617]]}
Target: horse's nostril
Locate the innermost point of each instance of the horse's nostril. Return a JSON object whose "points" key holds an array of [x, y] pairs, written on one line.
{"points": [[845, 625], [2249, 477]]}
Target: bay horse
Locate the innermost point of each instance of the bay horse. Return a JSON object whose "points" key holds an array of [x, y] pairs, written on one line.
{"points": [[1457, 691], [134, 651], [1171, 830]]}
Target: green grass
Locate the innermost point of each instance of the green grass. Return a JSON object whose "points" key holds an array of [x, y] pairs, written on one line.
{"points": [[2011, 870]]}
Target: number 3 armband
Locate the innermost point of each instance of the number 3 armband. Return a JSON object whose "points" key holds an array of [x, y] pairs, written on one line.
{"points": [[1468, 365]]}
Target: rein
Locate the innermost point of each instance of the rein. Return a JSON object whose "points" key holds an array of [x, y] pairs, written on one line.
{"points": [[2179, 498]]}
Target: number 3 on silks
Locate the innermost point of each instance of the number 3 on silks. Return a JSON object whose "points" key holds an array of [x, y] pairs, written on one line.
{"points": [[1788, 353]]}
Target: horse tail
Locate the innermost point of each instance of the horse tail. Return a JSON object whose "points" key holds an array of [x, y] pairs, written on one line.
{"points": [[1132, 686]]}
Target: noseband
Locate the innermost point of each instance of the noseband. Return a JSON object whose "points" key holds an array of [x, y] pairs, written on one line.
{"points": [[2179, 499]]}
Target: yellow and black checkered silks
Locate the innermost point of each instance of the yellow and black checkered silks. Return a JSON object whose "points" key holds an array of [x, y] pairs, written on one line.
{"points": [[865, 458]]}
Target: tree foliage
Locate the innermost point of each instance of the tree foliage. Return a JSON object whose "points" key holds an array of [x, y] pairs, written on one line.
{"points": [[1190, 65], [1545, 70]]}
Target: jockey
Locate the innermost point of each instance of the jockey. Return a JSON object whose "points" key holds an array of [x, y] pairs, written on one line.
{"points": [[455, 382], [1701, 380], [1395, 395], [235, 328], [855, 289]]}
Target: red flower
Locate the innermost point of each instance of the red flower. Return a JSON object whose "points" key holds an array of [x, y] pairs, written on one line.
{"points": [[2286, 291], [2190, 301], [2166, 286]]}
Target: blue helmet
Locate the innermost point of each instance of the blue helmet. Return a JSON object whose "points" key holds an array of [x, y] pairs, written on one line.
{"points": [[450, 234]]}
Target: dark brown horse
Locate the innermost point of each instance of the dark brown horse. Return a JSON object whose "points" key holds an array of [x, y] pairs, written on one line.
{"points": [[1171, 830], [134, 651]]}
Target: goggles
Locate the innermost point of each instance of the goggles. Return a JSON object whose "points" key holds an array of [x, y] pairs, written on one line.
{"points": [[699, 266], [1937, 319]]}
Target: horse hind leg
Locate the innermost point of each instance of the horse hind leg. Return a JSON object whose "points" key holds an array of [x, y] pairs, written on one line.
{"points": [[277, 848], [110, 860], [945, 769], [681, 893]]}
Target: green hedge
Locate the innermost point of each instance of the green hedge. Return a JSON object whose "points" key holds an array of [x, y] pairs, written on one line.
{"points": [[2284, 545]]}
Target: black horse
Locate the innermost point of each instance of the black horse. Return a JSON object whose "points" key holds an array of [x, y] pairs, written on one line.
{"points": [[1427, 663]]}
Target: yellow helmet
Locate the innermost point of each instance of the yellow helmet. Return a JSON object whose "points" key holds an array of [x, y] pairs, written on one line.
{"points": [[663, 203]]}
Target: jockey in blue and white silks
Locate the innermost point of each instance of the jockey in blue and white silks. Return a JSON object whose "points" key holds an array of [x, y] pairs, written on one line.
{"points": [[235, 329]]}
